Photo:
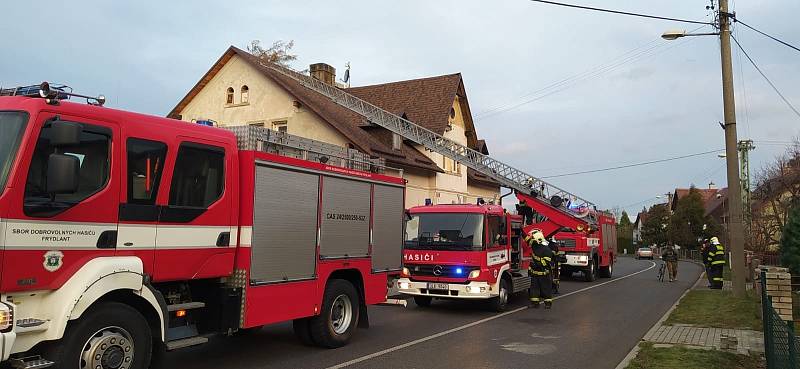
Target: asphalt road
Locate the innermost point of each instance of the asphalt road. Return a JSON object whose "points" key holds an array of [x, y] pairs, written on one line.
{"points": [[592, 325]]}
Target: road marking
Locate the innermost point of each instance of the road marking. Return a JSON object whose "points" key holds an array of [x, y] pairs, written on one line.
{"points": [[469, 325]]}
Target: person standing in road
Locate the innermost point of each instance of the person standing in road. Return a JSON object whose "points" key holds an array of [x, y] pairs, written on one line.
{"points": [[670, 256], [717, 261], [705, 254], [541, 285]]}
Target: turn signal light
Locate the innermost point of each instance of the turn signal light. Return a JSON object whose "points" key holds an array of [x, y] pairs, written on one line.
{"points": [[405, 272], [180, 313], [6, 317], [475, 273]]}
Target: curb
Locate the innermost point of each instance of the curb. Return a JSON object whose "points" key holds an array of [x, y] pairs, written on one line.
{"points": [[635, 350]]}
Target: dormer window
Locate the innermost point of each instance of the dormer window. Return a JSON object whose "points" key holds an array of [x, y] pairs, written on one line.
{"points": [[229, 96], [397, 141], [245, 94]]}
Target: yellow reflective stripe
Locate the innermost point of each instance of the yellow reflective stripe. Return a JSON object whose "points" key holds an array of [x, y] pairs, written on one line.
{"points": [[715, 262], [535, 299], [548, 300], [717, 279], [547, 258]]}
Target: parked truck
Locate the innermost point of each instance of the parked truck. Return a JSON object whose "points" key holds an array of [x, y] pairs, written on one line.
{"points": [[123, 235], [473, 252]]}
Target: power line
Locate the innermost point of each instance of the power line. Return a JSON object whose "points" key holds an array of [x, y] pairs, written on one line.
{"points": [[619, 12], [773, 38], [585, 76], [765, 77], [633, 165]]}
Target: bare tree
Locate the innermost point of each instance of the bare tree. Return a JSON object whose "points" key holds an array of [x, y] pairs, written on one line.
{"points": [[777, 188], [278, 53]]}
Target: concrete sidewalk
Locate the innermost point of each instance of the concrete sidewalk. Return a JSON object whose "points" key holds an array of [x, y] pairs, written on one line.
{"points": [[748, 341]]}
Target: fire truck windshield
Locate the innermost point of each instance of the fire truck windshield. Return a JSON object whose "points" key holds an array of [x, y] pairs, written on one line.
{"points": [[444, 231], [12, 125]]}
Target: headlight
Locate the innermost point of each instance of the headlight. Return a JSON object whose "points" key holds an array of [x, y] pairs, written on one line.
{"points": [[403, 285], [405, 272], [6, 318], [475, 273], [583, 258]]}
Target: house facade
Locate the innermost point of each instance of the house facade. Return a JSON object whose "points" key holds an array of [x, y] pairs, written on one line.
{"points": [[238, 90]]}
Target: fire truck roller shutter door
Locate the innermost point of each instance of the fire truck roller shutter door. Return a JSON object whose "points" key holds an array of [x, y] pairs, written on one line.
{"points": [[387, 228], [284, 225], [345, 218]]}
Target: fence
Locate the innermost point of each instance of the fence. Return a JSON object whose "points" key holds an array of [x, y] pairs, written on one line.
{"points": [[780, 341]]}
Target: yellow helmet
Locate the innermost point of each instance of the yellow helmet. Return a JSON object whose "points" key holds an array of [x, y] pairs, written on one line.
{"points": [[714, 241], [537, 236]]}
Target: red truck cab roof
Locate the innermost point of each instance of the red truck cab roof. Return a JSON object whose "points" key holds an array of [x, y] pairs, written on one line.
{"points": [[459, 208]]}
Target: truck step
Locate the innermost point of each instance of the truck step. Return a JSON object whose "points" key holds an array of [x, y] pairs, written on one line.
{"points": [[395, 302], [519, 284], [186, 306], [31, 362], [186, 342]]}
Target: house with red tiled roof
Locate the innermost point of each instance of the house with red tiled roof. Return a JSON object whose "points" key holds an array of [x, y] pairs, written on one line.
{"points": [[706, 194], [238, 90]]}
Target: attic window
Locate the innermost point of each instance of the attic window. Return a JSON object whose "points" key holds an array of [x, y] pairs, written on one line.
{"points": [[452, 113], [397, 141], [245, 94], [229, 96]]}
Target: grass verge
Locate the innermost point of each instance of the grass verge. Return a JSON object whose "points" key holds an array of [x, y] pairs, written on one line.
{"points": [[717, 309], [650, 357]]}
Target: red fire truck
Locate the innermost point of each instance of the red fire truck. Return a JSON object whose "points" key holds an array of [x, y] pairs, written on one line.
{"points": [[478, 252], [122, 235], [464, 252]]}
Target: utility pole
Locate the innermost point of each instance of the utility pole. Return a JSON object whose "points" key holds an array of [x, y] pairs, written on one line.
{"points": [[736, 228]]}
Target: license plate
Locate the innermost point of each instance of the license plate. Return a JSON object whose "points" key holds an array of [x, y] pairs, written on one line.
{"points": [[438, 286]]}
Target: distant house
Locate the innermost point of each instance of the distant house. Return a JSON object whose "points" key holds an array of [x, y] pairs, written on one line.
{"points": [[238, 90], [638, 225], [706, 194]]}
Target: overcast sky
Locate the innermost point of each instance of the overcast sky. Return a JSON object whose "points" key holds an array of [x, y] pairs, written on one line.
{"points": [[653, 99]]}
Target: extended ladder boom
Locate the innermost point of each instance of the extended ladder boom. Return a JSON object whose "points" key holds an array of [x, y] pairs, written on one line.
{"points": [[505, 174]]}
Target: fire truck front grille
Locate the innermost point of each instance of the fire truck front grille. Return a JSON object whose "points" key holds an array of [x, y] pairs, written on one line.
{"points": [[444, 271]]}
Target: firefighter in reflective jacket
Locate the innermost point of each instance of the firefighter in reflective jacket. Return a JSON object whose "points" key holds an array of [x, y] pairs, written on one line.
{"points": [[555, 273], [716, 260], [541, 285]]}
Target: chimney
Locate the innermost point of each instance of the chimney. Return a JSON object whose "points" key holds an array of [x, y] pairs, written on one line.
{"points": [[323, 72], [712, 186]]}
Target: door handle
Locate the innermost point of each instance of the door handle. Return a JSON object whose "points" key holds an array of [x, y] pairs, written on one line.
{"points": [[224, 239], [107, 240]]}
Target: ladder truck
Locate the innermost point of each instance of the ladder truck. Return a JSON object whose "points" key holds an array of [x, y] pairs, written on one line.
{"points": [[571, 217], [124, 235]]}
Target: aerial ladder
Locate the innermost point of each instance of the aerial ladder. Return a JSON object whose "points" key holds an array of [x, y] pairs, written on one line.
{"points": [[555, 207]]}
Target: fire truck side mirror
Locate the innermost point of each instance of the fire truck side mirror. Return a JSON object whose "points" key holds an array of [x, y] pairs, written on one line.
{"points": [[63, 133], [62, 174]]}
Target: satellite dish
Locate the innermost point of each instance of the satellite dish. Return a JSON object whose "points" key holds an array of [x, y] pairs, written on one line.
{"points": [[556, 201]]}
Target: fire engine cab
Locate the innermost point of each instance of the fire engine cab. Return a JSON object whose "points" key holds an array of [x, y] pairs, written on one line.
{"points": [[464, 252], [123, 235]]}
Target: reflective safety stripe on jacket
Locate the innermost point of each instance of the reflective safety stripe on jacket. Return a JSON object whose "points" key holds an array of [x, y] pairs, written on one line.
{"points": [[716, 255]]}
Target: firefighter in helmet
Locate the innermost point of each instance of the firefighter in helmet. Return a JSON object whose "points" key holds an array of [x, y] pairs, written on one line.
{"points": [[541, 285], [555, 273], [716, 260]]}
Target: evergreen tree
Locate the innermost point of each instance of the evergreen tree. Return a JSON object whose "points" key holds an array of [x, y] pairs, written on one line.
{"points": [[686, 224], [654, 228], [624, 219], [790, 241]]}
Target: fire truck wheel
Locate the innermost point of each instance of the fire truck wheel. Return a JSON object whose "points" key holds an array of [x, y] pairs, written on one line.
{"points": [[303, 331], [334, 326], [500, 302], [423, 301], [607, 271], [590, 273], [111, 335]]}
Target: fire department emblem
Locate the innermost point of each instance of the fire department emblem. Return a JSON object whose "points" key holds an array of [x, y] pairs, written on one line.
{"points": [[53, 260]]}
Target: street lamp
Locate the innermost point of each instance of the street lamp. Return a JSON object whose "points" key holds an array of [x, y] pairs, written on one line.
{"points": [[676, 34], [736, 228]]}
